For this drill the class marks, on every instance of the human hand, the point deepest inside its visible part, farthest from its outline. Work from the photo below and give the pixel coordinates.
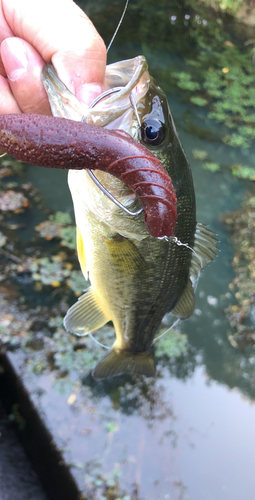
(32, 34)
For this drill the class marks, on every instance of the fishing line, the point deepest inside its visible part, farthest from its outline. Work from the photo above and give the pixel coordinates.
(168, 330)
(133, 104)
(174, 239)
(178, 242)
(99, 343)
(91, 174)
(117, 29)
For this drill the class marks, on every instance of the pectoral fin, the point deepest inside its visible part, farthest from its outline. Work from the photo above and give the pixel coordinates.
(186, 304)
(124, 254)
(85, 315)
(119, 362)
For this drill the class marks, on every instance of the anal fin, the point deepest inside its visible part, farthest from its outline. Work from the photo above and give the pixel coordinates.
(186, 304)
(119, 362)
(85, 315)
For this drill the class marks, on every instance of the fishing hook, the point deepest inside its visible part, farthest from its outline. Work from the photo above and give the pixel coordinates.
(133, 104)
(92, 176)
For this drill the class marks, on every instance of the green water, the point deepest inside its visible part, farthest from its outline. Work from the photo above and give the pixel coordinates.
(189, 434)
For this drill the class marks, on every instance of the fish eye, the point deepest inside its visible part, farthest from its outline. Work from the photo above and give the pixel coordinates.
(152, 132)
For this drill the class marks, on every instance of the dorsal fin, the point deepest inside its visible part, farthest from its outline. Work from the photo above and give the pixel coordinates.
(204, 248)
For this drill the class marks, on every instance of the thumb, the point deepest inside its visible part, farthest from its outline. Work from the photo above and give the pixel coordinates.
(62, 33)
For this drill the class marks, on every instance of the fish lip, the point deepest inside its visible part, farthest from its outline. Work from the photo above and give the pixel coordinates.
(114, 111)
(132, 75)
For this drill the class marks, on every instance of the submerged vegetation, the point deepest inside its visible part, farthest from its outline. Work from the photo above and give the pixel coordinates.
(242, 314)
(221, 78)
(59, 225)
(207, 76)
(209, 62)
(39, 279)
(50, 269)
(241, 9)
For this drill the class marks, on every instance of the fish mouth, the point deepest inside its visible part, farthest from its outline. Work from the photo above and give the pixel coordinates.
(113, 111)
(137, 97)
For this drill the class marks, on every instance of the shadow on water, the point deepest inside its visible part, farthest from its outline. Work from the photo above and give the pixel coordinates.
(186, 434)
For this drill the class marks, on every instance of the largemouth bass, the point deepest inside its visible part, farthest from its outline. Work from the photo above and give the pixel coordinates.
(136, 278)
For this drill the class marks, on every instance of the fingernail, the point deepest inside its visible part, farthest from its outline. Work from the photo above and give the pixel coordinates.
(14, 58)
(87, 92)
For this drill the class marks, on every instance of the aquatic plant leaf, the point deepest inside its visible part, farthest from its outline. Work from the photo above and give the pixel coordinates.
(50, 271)
(199, 101)
(199, 154)
(59, 225)
(68, 237)
(242, 314)
(12, 201)
(62, 218)
(247, 131)
(49, 230)
(215, 71)
(237, 140)
(244, 172)
(213, 167)
(9, 166)
(172, 344)
(249, 118)
(77, 282)
(185, 82)
(219, 116)
(230, 6)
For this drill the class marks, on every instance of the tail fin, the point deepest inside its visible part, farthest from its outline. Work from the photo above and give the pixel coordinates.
(118, 362)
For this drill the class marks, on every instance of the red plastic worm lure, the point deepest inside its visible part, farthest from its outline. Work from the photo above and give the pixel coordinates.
(47, 141)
